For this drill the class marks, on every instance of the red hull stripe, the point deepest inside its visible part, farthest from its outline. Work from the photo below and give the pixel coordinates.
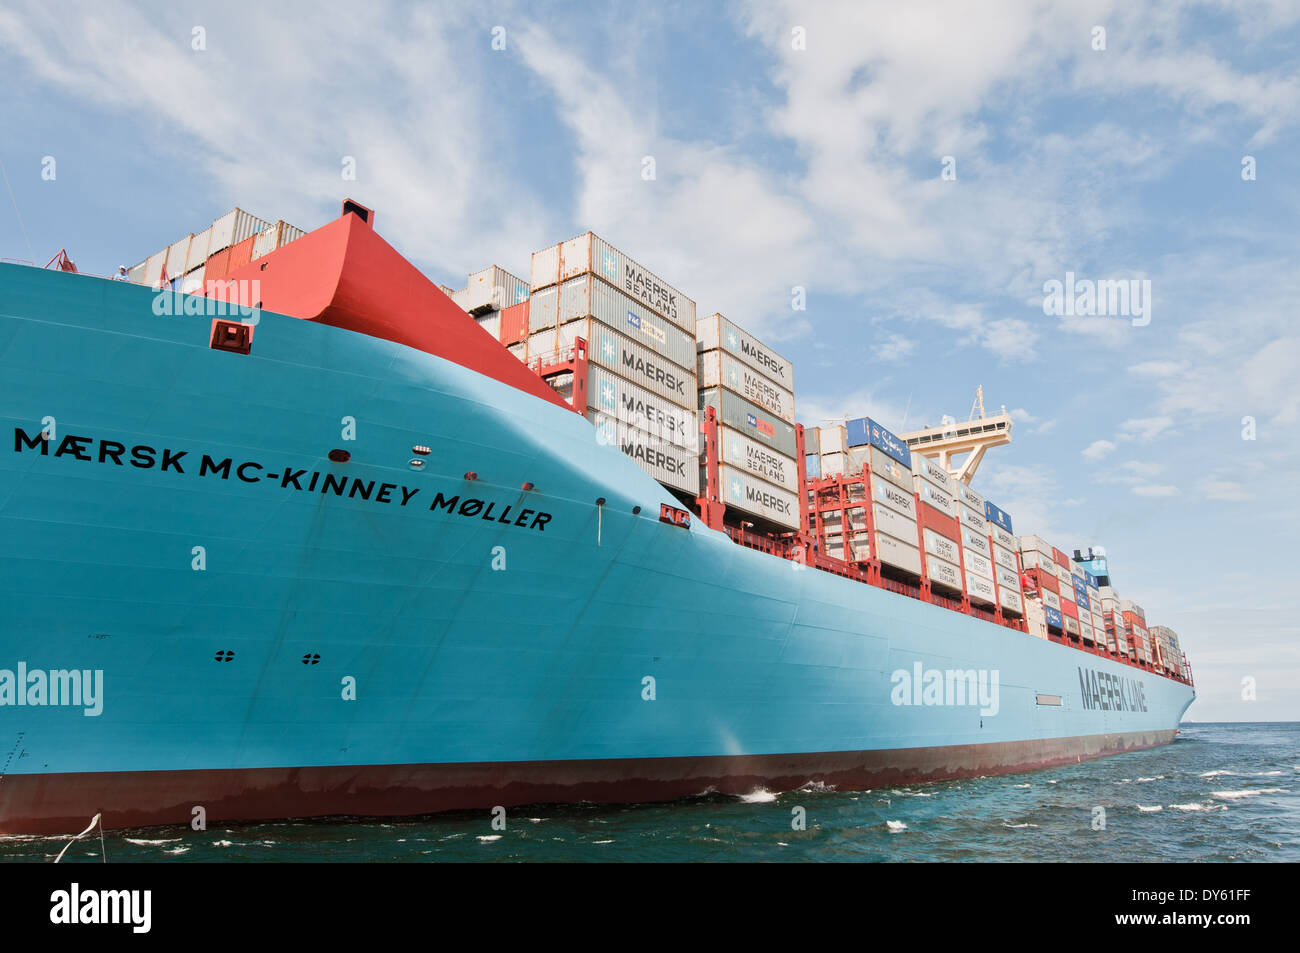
(62, 803)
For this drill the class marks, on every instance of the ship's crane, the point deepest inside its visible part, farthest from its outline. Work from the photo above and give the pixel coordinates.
(952, 439)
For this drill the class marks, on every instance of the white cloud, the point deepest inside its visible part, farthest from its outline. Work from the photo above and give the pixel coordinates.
(1144, 428)
(1227, 490)
(1098, 449)
(1155, 490)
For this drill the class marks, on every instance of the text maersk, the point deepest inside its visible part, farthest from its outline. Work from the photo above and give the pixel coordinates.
(1106, 692)
(762, 498)
(762, 358)
(654, 458)
(647, 289)
(653, 372)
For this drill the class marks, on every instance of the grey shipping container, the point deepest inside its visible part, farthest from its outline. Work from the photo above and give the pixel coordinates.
(669, 464)
(624, 357)
(748, 494)
(717, 333)
(757, 459)
(750, 419)
(639, 408)
(720, 369)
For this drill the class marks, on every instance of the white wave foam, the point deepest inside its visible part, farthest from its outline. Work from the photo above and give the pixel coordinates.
(223, 843)
(149, 843)
(175, 851)
(1017, 826)
(1149, 810)
(1050, 781)
(1022, 785)
(1158, 777)
(1193, 807)
(1215, 774)
(602, 842)
(758, 796)
(1229, 795)
(1266, 774)
(896, 827)
(488, 838)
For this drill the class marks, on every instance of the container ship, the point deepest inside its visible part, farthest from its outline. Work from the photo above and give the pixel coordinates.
(288, 530)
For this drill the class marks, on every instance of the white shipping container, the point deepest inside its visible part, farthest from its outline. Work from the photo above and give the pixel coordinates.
(977, 564)
(198, 250)
(1065, 579)
(980, 589)
(745, 493)
(941, 546)
(885, 466)
(589, 254)
(758, 460)
(720, 369)
(942, 573)
(1002, 537)
(895, 498)
(1035, 544)
(972, 499)
(669, 464)
(894, 552)
(1005, 558)
(1006, 579)
(834, 439)
(933, 473)
(1071, 625)
(895, 524)
(153, 266)
(1035, 618)
(716, 332)
(812, 444)
(974, 520)
(234, 227)
(1086, 629)
(491, 323)
(1051, 599)
(1010, 600)
(834, 464)
(624, 357)
(973, 541)
(1067, 594)
(193, 282)
(640, 409)
(493, 289)
(936, 498)
(176, 256)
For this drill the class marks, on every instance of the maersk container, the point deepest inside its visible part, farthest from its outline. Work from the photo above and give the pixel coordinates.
(834, 439)
(717, 333)
(590, 254)
(757, 459)
(980, 589)
(1011, 601)
(977, 564)
(894, 523)
(978, 542)
(1005, 558)
(669, 464)
(1051, 599)
(934, 473)
(642, 410)
(899, 500)
(198, 250)
(1006, 578)
(491, 323)
(936, 544)
(1003, 538)
(834, 464)
(1054, 618)
(274, 237)
(1035, 618)
(624, 357)
(974, 520)
(1066, 579)
(493, 289)
(996, 516)
(1085, 628)
(936, 498)
(943, 573)
(971, 498)
(812, 466)
(864, 430)
(720, 369)
(753, 421)
(1071, 625)
(748, 494)
(896, 553)
(1035, 544)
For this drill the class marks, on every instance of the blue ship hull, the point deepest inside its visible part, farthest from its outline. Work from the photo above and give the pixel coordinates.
(280, 635)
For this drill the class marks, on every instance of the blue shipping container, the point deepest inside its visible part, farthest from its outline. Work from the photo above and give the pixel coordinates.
(1053, 617)
(998, 516)
(813, 465)
(863, 431)
(1081, 594)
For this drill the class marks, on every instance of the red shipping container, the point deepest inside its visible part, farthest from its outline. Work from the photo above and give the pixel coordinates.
(1070, 609)
(1044, 580)
(940, 522)
(217, 265)
(1061, 559)
(241, 254)
(514, 323)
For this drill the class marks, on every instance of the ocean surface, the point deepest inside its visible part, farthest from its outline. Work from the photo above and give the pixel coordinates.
(1221, 792)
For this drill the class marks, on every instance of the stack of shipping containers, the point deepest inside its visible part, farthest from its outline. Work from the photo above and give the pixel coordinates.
(749, 386)
(487, 294)
(1116, 639)
(1006, 564)
(1168, 653)
(1040, 568)
(1065, 581)
(936, 494)
(833, 443)
(1094, 611)
(894, 538)
(976, 550)
(1133, 619)
(640, 333)
(1079, 583)
(229, 243)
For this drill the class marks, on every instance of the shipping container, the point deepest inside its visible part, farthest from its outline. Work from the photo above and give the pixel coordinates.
(980, 589)
(936, 499)
(1006, 559)
(177, 253)
(896, 553)
(590, 254)
(1085, 628)
(977, 564)
(153, 266)
(217, 265)
(1068, 609)
(717, 333)
(894, 523)
(1002, 537)
(1035, 618)
(976, 542)
(234, 227)
(642, 410)
(1011, 601)
(971, 498)
(492, 289)
(941, 523)
(747, 494)
(753, 421)
(720, 369)
(864, 430)
(901, 501)
(997, 517)
(757, 459)
(1051, 599)
(884, 466)
(1054, 618)
(241, 253)
(1006, 578)
(490, 322)
(1036, 544)
(812, 465)
(624, 357)
(198, 250)
(193, 282)
(834, 439)
(514, 323)
(812, 444)
(672, 465)
(934, 473)
(1061, 559)
(1071, 624)
(834, 464)
(940, 546)
(943, 573)
(974, 519)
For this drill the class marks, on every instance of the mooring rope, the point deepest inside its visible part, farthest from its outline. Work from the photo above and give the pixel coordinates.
(103, 855)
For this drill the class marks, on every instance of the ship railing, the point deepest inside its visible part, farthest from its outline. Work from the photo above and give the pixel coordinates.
(764, 544)
(902, 588)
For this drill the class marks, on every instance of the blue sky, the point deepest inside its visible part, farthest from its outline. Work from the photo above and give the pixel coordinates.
(779, 167)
